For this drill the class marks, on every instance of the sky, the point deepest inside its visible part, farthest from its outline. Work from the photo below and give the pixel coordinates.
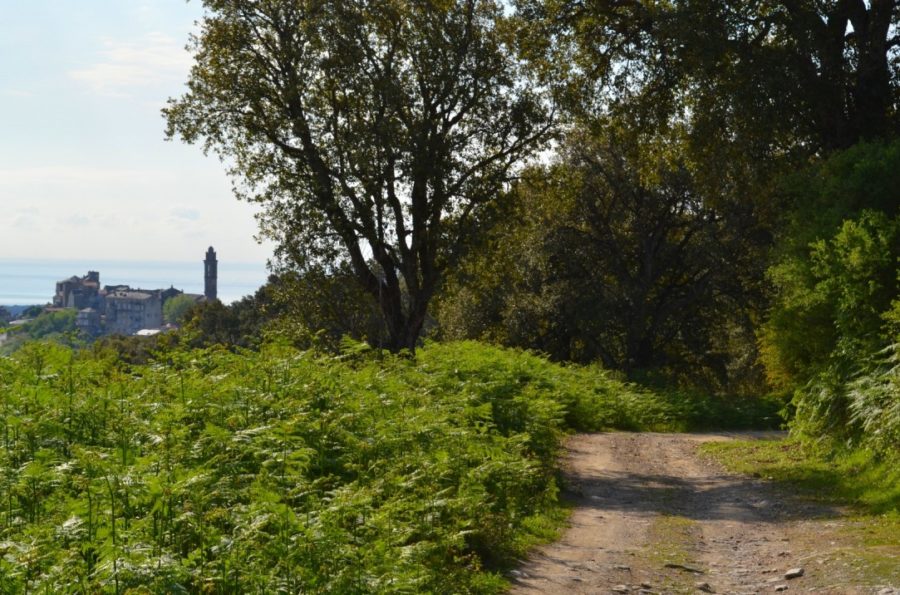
(85, 170)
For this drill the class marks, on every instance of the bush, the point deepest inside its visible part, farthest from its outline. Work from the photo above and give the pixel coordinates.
(836, 280)
(284, 471)
(177, 308)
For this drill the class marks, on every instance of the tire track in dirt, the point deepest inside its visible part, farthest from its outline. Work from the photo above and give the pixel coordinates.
(651, 516)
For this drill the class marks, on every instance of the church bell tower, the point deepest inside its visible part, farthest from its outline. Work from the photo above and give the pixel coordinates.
(210, 275)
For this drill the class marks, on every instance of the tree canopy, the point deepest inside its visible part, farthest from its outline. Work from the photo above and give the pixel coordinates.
(176, 308)
(371, 133)
(387, 144)
(734, 67)
(615, 253)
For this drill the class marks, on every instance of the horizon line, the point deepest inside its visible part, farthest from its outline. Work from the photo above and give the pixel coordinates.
(82, 260)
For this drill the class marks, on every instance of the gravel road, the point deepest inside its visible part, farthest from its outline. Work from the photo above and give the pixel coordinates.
(651, 516)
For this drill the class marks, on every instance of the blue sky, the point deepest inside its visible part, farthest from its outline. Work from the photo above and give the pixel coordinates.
(85, 171)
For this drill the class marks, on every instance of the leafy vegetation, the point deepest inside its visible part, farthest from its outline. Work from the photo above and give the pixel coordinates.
(832, 333)
(57, 326)
(177, 308)
(843, 477)
(285, 471)
(720, 195)
(762, 77)
(310, 310)
(364, 127)
(616, 254)
(717, 198)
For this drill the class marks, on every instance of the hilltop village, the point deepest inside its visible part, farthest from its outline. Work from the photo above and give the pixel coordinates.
(121, 309)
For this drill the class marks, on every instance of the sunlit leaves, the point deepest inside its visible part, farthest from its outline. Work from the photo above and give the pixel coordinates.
(371, 133)
(206, 471)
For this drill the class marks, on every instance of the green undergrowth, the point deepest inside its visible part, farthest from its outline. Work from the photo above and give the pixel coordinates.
(667, 410)
(279, 471)
(864, 487)
(867, 483)
(593, 400)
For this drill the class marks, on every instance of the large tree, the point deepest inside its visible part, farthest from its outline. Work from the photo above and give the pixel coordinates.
(615, 253)
(371, 132)
(773, 75)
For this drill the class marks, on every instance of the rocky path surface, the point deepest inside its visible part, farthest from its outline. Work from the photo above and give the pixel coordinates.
(651, 516)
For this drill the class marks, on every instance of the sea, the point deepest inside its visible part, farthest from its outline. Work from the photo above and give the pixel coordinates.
(28, 282)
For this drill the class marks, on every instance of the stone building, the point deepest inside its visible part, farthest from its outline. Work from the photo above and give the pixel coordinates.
(120, 309)
(167, 294)
(127, 312)
(88, 322)
(210, 275)
(78, 292)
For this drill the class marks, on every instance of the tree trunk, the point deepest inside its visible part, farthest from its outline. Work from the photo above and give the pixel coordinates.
(404, 325)
(871, 94)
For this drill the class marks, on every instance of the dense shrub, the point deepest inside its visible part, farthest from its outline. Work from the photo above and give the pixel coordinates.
(618, 253)
(58, 326)
(874, 402)
(836, 292)
(284, 471)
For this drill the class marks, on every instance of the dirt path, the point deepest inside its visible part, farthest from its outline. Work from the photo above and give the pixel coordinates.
(652, 517)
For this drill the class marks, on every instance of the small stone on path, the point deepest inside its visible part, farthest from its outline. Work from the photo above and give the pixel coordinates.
(683, 567)
(781, 587)
(621, 589)
(704, 587)
(793, 573)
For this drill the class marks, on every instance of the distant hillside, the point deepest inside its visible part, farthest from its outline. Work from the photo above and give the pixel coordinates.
(17, 310)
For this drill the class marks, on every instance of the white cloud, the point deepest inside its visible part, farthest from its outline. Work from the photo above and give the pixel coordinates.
(70, 174)
(128, 213)
(154, 59)
(25, 219)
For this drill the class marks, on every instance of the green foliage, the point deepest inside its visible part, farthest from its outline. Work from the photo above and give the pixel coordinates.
(618, 254)
(177, 308)
(832, 301)
(32, 312)
(318, 309)
(134, 349)
(821, 197)
(282, 471)
(56, 326)
(873, 401)
(374, 127)
(214, 323)
(765, 77)
(830, 334)
(313, 309)
(51, 323)
(843, 477)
